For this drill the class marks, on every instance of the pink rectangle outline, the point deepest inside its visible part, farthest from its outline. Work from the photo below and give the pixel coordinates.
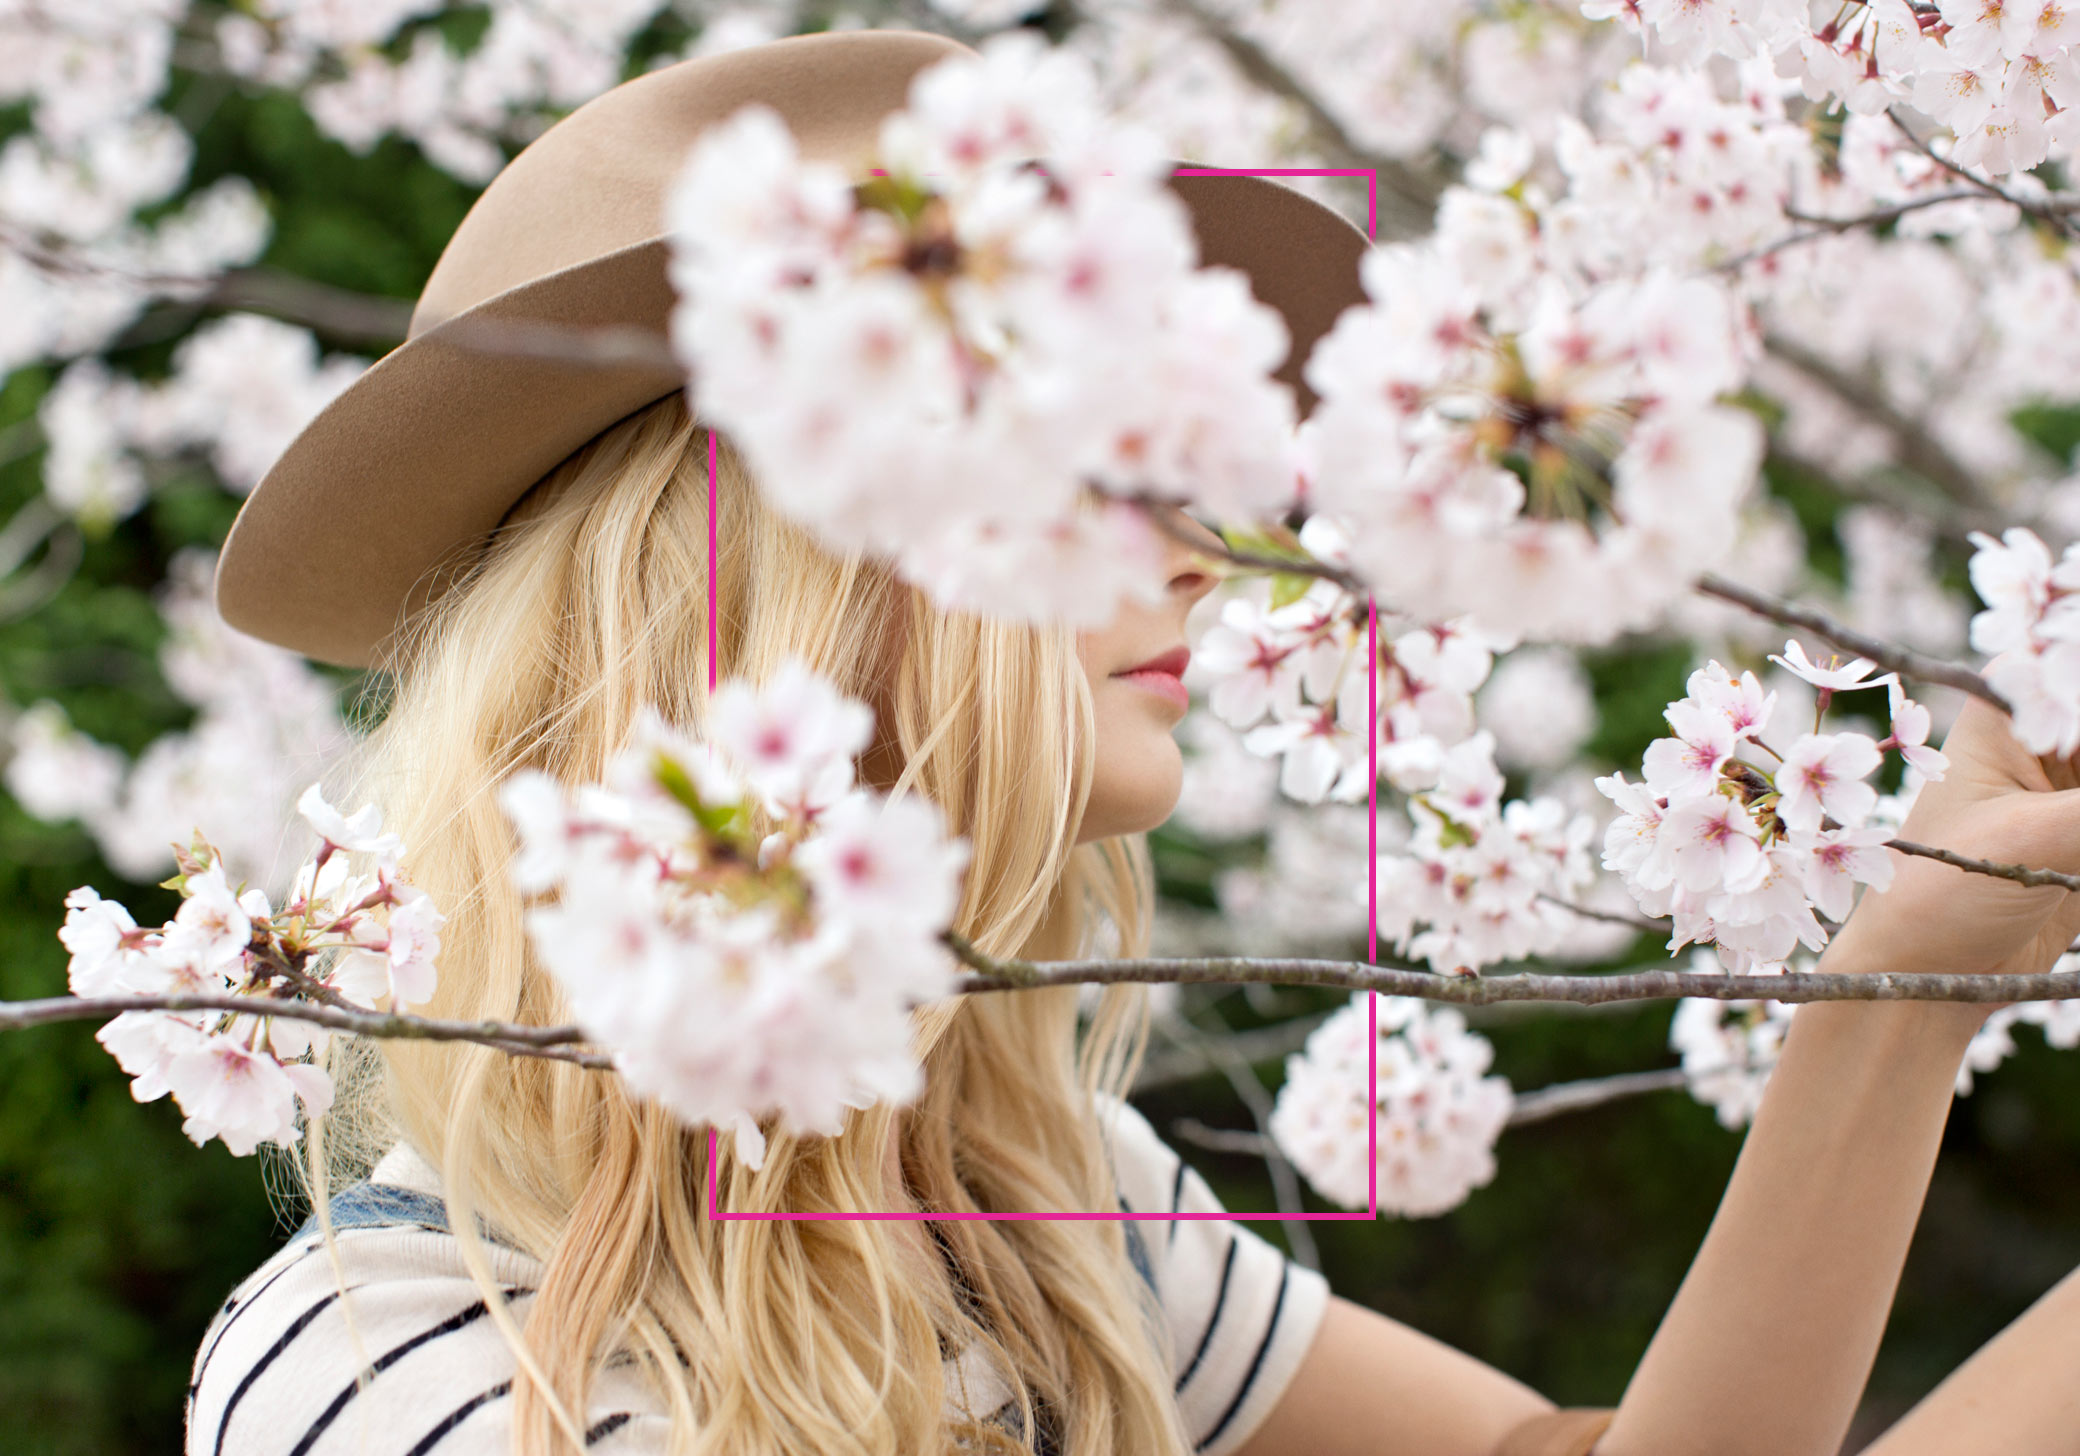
(1371, 1209)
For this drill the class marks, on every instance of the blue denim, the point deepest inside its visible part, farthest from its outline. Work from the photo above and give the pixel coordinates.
(376, 1205)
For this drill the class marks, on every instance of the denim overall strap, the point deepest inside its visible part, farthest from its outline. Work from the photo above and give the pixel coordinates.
(378, 1205)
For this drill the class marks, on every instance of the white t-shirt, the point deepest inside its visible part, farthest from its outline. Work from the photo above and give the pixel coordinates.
(276, 1371)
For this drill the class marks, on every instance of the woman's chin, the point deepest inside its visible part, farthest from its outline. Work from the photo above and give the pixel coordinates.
(1133, 799)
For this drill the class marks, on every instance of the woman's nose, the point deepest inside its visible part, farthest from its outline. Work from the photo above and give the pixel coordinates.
(1190, 578)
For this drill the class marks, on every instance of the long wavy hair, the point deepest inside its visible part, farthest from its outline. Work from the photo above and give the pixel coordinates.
(797, 1337)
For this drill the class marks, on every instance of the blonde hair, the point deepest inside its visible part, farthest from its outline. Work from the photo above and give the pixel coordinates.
(764, 1336)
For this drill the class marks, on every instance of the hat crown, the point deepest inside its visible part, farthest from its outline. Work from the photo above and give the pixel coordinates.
(596, 181)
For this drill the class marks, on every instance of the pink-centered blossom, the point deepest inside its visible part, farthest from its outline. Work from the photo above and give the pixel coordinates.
(1824, 775)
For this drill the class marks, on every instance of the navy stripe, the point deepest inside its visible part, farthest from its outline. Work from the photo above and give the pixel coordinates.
(1277, 1308)
(296, 1328)
(608, 1427)
(1176, 1200)
(448, 1326)
(1219, 1300)
(233, 1314)
(457, 1416)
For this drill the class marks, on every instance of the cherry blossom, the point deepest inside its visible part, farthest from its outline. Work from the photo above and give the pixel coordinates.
(1728, 1047)
(1437, 1115)
(1741, 854)
(2031, 625)
(242, 1077)
(265, 719)
(1481, 877)
(705, 952)
(1057, 329)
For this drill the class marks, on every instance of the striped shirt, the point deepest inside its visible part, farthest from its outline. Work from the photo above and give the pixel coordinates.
(409, 1364)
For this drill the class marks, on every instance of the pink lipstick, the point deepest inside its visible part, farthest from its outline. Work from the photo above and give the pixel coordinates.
(1163, 675)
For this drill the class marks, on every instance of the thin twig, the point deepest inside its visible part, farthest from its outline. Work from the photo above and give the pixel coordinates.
(2052, 218)
(1828, 227)
(17, 1014)
(1157, 511)
(1409, 194)
(1790, 987)
(1260, 1044)
(1615, 917)
(1537, 1105)
(1895, 488)
(1221, 1139)
(1564, 1097)
(2020, 874)
(1919, 451)
(1903, 660)
(1285, 1182)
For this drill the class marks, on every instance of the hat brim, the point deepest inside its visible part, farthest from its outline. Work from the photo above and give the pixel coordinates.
(387, 496)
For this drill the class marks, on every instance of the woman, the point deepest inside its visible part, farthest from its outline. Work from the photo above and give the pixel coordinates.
(530, 1269)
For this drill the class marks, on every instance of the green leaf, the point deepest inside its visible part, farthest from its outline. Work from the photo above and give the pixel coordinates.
(672, 777)
(1288, 587)
(1274, 541)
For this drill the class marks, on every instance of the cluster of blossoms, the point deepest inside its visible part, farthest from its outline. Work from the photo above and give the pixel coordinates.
(878, 344)
(72, 257)
(459, 105)
(265, 723)
(722, 907)
(2031, 629)
(1291, 649)
(342, 936)
(1438, 1114)
(240, 389)
(1487, 881)
(1743, 854)
(1500, 443)
(1729, 1048)
(2002, 77)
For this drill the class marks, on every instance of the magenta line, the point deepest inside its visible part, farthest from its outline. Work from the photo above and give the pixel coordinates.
(711, 558)
(1372, 903)
(1371, 1210)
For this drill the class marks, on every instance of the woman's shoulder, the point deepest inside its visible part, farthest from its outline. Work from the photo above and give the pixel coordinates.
(381, 1343)
(1241, 1314)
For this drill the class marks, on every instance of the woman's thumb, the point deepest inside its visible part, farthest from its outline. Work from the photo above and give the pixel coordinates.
(2039, 830)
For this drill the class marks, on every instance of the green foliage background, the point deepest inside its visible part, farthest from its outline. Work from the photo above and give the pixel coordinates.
(118, 1238)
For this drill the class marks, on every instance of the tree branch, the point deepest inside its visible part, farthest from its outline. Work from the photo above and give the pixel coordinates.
(1285, 1183)
(1792, 987)
(1408, 201)
(1919, 450)
(1828, 227)
(341, 314)
(1565, 1097)
(2054, 219)
(508, 1036)
(1261, 1044)
(2020, 874)
(1903, 660)
(1538, 1105)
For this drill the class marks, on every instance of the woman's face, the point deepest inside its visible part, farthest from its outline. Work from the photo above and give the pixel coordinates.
(1134, 664)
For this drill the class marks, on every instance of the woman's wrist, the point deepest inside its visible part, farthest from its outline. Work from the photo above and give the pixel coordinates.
(1850, 953)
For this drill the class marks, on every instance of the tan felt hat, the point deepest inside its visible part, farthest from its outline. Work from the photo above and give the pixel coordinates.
(391, 491)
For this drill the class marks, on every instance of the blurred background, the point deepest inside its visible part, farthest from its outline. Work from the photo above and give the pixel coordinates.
(213, 215)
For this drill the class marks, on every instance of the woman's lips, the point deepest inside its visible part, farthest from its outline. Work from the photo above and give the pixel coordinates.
(1163, 675)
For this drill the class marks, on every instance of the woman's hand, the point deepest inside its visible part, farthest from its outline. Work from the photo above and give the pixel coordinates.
(1997, 802)
(1768, 1344)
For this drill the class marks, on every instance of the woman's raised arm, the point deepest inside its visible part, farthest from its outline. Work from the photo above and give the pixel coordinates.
(1770, 1339)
